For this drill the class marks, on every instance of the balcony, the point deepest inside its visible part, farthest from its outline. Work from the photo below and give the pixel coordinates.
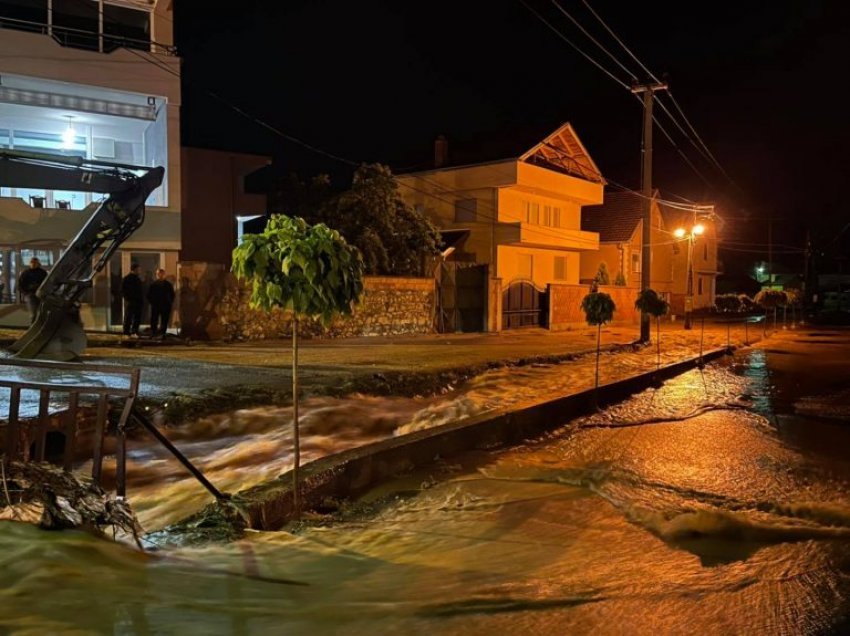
(102, 41)
(549, 237)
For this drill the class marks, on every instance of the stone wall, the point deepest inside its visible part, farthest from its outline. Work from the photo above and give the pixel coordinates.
(565, 305)
(214, 306)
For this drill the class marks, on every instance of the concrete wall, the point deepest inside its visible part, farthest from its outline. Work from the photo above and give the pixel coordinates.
(565, 305)
(543, 265)
(213, 196)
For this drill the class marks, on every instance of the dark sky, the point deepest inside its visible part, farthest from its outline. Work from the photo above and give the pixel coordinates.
(764, 83)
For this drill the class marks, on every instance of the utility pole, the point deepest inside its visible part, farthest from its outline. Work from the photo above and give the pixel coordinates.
(648, 89)
(770, 253)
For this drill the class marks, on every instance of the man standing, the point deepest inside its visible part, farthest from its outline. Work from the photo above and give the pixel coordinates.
(161, 297)
(133, 295)
(29, 282)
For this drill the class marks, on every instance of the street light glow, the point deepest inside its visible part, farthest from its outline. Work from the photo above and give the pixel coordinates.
(699, 228)
(679, 232)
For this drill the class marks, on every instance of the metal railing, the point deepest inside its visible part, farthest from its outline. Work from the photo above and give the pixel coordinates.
(87, 40)
(38, 427)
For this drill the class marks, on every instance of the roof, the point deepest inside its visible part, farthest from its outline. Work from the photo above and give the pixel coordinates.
(616, 219)
(560, 150)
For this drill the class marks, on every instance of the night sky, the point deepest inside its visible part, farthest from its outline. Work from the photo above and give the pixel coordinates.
(763, 83)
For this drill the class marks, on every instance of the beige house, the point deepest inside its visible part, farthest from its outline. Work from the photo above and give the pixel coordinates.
(512, 226)
(103, 85)
(619, 223)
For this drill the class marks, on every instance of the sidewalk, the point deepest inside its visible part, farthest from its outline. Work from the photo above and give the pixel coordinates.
(203, 378)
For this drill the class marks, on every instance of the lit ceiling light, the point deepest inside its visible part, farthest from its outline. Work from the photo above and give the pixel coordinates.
(69, 136)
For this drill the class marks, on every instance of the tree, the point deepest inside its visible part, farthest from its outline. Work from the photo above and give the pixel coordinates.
(649, 302)
(770, 299)
(598, 308)
(620, 279)
(392, 237)
(310, 271)
(794, 299)
(602, 276)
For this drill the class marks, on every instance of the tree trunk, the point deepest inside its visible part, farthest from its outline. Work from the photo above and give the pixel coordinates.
(296, 440)
(746, 333)
(701, 337)
(657, 342)
(728, 335)
(598, 344)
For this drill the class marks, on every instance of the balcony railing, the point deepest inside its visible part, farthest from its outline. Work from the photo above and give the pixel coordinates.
(87, 40)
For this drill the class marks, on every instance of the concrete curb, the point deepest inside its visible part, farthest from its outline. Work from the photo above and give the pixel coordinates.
(268, 506)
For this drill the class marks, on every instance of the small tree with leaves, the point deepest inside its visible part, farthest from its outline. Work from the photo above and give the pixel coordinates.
(620, 279)
(649, 302)
(770, 299)
(309, 271)
(794, 300)
(602, 275)
(598, 308)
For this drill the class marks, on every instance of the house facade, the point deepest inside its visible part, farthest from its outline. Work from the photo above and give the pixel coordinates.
(619, 222)
(511, 226)
(99, 80)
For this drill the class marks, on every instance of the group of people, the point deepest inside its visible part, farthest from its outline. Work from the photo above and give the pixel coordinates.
(160, 296)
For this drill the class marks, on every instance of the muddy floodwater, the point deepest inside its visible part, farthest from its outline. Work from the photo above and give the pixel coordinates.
(716, 504)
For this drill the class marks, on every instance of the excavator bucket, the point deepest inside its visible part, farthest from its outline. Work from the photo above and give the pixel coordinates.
(56, 334)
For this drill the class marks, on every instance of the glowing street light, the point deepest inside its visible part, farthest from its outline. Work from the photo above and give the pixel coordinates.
(691, 237)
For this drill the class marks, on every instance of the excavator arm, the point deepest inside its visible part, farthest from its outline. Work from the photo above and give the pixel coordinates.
(57, 332)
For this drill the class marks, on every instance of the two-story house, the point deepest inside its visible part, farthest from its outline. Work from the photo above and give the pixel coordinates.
(619, 223)
(97, 79)
(516, 221)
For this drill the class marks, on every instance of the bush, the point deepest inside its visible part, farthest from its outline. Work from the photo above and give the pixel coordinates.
(602, 276)
(620, 280)
(747, 303)
(728, 303)
(648, 301)
(598, 308)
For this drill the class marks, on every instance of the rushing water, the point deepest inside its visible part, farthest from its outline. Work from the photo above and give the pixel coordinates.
(717, 504)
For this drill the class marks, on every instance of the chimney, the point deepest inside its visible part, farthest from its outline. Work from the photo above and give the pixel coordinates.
(441, 151)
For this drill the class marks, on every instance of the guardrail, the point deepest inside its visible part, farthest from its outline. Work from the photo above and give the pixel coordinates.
(18, 428)
(29, 428)
(87, 40)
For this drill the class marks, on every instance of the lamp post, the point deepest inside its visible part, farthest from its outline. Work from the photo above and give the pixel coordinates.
(691, 237)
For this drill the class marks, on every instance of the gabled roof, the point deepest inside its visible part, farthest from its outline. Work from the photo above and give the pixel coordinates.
(561, 151)
(564, 152)
(616, 219)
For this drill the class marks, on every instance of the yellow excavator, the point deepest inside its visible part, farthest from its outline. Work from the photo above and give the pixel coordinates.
(57, 332)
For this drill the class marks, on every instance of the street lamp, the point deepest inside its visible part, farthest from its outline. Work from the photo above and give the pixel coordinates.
(691, 237)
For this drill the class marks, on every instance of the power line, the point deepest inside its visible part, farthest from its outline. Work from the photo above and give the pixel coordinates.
(594, 40)
(619, 41)
(575, 46)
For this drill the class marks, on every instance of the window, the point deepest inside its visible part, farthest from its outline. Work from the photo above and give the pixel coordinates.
(466, 210)
(699, 286)
(525, 266)
(560, 268)
(547, 215)
(556, 217)
(635, 263)
(705, 251)
(531, 212)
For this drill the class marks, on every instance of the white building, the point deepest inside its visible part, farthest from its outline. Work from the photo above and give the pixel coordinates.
(97, 79)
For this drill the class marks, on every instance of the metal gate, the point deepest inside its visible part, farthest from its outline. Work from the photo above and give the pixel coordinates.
(524, 305)
(462, 298)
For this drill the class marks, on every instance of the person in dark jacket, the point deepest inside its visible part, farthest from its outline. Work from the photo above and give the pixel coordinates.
(29, 282)
(161, 298)
(133, 294)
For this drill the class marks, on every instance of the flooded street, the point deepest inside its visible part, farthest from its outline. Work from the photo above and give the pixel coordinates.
(717, 504)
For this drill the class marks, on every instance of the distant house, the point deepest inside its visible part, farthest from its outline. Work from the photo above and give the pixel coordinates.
(511, 222)
(619, 223)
